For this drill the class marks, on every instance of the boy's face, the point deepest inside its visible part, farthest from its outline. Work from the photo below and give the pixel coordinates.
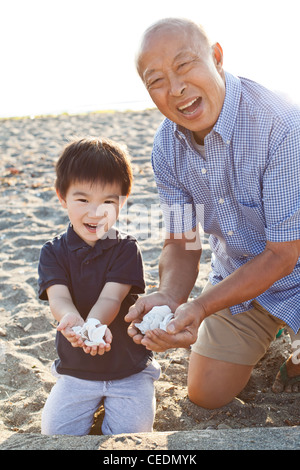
(92, 208)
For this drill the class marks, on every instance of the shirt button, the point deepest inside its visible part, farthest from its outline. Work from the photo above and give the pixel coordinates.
(203, 171)
(228, 142)
(230, 233)
(221, 200)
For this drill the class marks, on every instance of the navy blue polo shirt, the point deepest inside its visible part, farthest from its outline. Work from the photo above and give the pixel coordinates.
(68, 260)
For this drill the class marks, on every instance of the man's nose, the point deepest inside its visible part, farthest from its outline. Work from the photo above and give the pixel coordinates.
(177, 85)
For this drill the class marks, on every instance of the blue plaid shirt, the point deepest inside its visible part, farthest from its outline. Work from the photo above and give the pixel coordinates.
(247, 183)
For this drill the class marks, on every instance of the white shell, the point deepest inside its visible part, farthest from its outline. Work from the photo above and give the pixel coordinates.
(92, 322)
(77, 329)
(96, 334)
(166, 320)
(91, 333)
(158, 317)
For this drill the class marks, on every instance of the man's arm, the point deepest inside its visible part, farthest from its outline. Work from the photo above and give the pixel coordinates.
(179, 266)
(255, 277)
(178, 271)
(249, 281)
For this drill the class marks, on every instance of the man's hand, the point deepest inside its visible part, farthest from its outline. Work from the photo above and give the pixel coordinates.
(142, 306)
(181, 332)
(178, 267)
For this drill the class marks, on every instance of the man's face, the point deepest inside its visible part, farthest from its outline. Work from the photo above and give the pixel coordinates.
(184, 78)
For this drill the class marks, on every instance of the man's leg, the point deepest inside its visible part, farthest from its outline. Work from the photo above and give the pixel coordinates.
(213, 383)
(227, 348)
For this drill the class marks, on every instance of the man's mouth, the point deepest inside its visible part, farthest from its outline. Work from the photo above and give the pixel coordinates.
(190, 107)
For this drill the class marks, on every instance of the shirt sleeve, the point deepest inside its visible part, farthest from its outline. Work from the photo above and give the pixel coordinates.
(126, 266)
(281, 191)
(176, 202)
(50, 271)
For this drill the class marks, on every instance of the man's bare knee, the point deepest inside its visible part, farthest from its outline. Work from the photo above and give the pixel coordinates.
(206, 400)
(212, 383)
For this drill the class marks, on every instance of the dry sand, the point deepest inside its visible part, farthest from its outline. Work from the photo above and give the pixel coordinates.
(30, 215)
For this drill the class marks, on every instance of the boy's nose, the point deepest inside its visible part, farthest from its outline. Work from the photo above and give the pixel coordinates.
(92, 212)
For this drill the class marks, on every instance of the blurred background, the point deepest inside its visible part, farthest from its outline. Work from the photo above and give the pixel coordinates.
(78, 55)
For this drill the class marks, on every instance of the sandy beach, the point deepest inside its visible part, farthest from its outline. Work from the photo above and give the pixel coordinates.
(30, 215)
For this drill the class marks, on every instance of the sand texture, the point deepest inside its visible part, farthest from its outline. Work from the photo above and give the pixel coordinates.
(30, 215)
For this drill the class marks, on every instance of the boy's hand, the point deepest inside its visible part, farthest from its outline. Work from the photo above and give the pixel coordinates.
(101, 348)
(65, 326)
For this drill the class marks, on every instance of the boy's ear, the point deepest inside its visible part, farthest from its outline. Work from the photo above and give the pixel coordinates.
(61, 199)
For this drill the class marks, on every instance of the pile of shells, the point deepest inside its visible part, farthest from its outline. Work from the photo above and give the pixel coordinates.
(158, 317)
(92, 332)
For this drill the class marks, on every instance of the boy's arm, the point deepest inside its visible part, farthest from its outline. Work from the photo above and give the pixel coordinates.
(65, 312)
(105, 310)
(109, 302)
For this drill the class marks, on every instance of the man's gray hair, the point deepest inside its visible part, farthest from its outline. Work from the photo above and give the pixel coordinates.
(171, 24)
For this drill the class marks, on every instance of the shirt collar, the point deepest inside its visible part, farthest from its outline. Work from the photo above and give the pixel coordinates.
(75, 243)
(226, 121)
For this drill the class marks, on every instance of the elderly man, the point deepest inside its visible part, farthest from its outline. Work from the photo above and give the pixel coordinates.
(232, 147)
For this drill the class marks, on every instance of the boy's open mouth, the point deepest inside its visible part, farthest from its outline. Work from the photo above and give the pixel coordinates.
(190, 107)
(91, 227)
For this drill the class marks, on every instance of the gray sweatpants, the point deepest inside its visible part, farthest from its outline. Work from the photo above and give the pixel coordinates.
(129, 404)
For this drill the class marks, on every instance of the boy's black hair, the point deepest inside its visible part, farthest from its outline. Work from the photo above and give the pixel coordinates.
(93, 160)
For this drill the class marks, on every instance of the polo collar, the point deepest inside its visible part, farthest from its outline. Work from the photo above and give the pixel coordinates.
(74, 242)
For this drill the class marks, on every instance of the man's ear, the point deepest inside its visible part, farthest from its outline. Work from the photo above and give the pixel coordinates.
(61, 199)
(218, 54)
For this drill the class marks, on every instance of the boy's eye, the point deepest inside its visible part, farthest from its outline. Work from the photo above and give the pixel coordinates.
(82, 200)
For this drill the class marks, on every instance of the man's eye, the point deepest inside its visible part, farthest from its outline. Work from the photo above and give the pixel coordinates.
(154, 82)
(183, 64)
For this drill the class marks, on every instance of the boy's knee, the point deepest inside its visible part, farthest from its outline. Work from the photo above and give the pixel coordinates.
(49, 428)
(141, 424)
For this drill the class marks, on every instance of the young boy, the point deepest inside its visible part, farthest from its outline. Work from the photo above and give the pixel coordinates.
(94, 271)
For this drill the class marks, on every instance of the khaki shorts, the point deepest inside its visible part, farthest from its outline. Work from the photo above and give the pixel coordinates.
(242, 338)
